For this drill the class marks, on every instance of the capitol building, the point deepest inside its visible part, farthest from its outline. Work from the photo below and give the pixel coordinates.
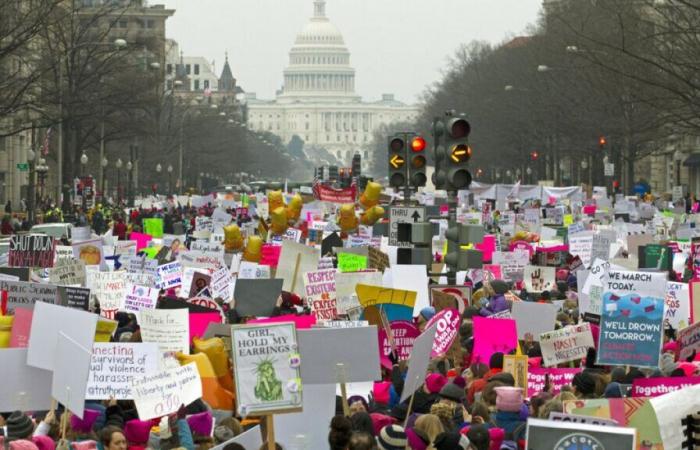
(318, 102)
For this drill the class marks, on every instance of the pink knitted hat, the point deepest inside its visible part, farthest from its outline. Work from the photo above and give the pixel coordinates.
(137, 431)
(509, 398)
(85, 424)
(434, 382)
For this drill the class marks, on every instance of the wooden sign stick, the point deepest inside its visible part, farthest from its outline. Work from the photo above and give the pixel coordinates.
(343, 389)
(296, 272)
(270, 431)
(408, 412)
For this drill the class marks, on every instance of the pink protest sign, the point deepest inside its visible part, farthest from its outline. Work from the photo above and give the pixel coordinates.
(589, 210)
(494, 270)
(487, 247)
(141, 239)
(447, 321)
(301, 322)
(493, 336)
(654, 387)
(405, 333)
(537, 377)
(200, 321)
(21, 325)
(270, 255)
(521, 245)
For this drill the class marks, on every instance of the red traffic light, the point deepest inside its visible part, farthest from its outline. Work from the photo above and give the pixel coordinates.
(534, 156)
(418, 144)
(602, 141)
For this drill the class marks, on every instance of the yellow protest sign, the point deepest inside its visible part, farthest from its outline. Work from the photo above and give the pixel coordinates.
(375, 295)
(516, 365)
(568, 219)
(105, 329)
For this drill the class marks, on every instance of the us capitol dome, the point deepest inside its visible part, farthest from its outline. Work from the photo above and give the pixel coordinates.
(318, 102)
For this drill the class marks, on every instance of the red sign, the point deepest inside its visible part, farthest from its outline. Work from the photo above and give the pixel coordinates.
(448, 321)
(330, 194)
(654, 387)
(405, 333)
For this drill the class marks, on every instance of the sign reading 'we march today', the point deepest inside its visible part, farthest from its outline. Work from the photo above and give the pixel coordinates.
(631, 329)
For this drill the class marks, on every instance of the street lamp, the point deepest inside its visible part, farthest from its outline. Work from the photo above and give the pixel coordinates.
(118, 164)
(83, 162)
(159, 168)
(170, 178)
(543, 68)
(677, 158)
(584, 164)
(103, 166)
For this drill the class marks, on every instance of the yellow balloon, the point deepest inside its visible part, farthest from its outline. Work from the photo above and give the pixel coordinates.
(372, 215)
(347, 221)
(278, 220)
(294, 207)
(370, 197)
(275, 199)
(233, 239)
(253, 250)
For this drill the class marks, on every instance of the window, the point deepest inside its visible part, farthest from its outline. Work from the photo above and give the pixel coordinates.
(196, 69)
(188, 69)
(337, 137)
(307, 125)
(150, 23)
(169, 69)
(328, 138)
(124, 23)
(306, 138)
(206, 84)
(196, 85)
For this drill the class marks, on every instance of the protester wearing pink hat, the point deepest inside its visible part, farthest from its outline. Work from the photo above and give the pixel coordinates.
(137, 433)
(44, 443)
(509, 401)
(434, 382)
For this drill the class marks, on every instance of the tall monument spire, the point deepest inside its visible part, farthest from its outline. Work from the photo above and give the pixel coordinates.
(319, 8)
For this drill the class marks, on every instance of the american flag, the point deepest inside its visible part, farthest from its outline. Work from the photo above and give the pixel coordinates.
(316, 185)
(45, 145)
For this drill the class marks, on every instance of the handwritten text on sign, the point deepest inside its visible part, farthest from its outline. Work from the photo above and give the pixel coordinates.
(164, 392)
(114, 365)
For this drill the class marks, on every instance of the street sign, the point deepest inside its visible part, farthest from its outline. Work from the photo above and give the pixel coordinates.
(400, 214)
(23, 167)
(609, 169)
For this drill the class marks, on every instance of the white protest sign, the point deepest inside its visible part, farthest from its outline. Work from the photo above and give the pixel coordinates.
(137, 298)
(201, 260)
(169, 328)
(169, 275)
(320, 296)
(222, 284)
(70, 374)
(512, 263)
(107, 288)
(689, 340)
(345, 288)
(411, 278)
(539, 278)
(163, 393)
(296, 259)
(251, 438)
(581, 245)
(602, 243)
(202, 223)
(24, 294)
(68, 272)
(677, 311)
(115, 364)
(533, 319)
(207, 247)
(63, 252)
(566, 344)
(24, 388)
(49, 320)
(418, 362)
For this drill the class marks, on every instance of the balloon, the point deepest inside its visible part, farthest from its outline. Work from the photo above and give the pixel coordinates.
(370, 197)
(275, 199)
(294, 208)
(372, 215)
(233, 239)
(278, 220)
(347, 221)
(253, 250)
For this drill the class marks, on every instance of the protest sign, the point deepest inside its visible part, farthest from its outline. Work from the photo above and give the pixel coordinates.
(516, 365)
(675, 413)
(199, 322)
(539, 279)
(107, 288)
(550, 434)
(252, 271)
(169, 328)
(411, 278)
(114, 365)
(348, 262)
(70, 374)
(201, 260)
(49, 320)
(418, 363)
(689, 340)
(90, 252)
(68, 272)
(222, 284)
(320, 294)
(207, 247)
(566, 344)
(169, 275)
(493, 336)
(22, 273)
(26, 295)
(377, 259)
(295, 260)
(558, 377)
(163, 392)
(404, 335)
(447, 324)
(153, 227)
(533, 319)
(631, 326)
(603, 241)
(137, 298)
(377, 295)
(203, 223)
(33, 250)
(654, 387)
(345, 288)
(572, 418)
(322, 349)
(297, 430)
(581, 245)
(677, 312)
(251, 438)
(24, 388)
(301, 322)
(257, 298)
(200, 281)
(512, 263)
(270, 255)
(21, 328)
(269, 355)
(63, 252)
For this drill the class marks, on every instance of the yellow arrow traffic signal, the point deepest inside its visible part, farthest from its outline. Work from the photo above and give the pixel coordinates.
(396, 161)
(460, 153)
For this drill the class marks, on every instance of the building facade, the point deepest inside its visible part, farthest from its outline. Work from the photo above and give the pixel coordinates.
(318, 102)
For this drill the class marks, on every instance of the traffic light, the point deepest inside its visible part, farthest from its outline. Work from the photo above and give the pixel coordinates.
(333, 173)
(397, 161)
(452, 158)
(418, 164)
(356, 165)
(602, 142)
(534, 155)
(459, 258)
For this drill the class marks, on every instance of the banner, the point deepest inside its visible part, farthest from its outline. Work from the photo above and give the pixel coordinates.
(631, 328)
(447, 323)
(320, 293)
(327, 193)
(25, 295)
(115, 365)
(33, 250)
(653, 387)
(269, 355)
(164, 392)
(537, 378)
(404, 335)
(566, 344)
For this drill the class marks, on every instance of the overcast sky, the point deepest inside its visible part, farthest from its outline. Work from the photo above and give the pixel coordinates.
(396, 46)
